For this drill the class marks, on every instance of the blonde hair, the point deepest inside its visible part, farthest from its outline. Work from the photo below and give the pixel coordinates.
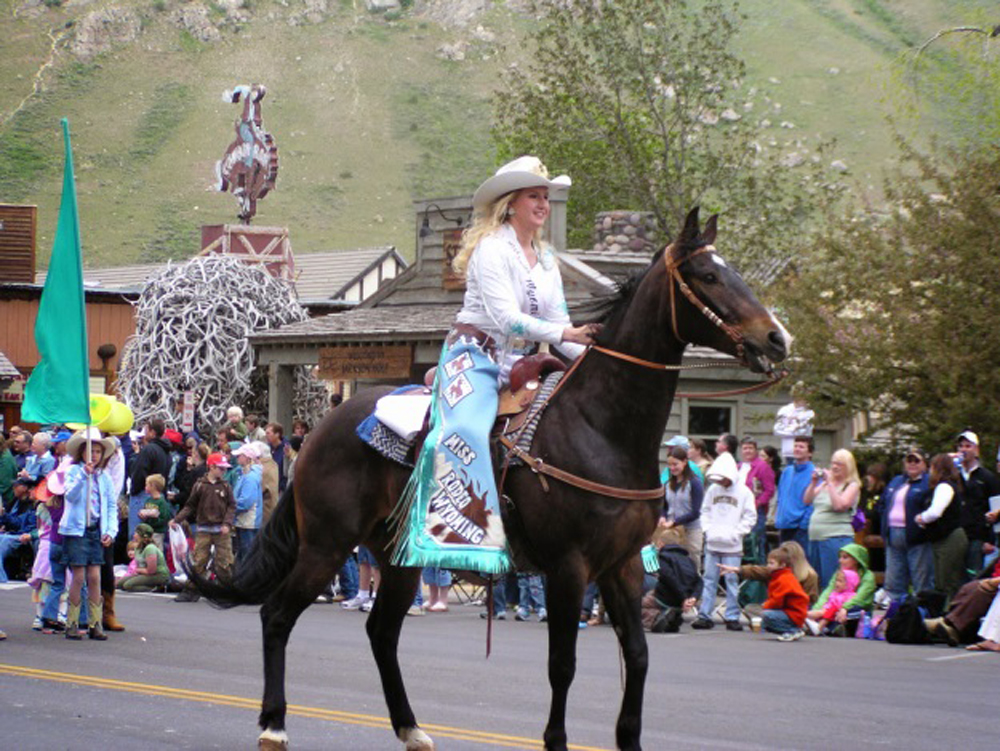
(157, 482)
(485, 223)
(797, 561)
(845, 456)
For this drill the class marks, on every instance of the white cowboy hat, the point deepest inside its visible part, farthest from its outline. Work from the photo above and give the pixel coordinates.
(523, 172)
(90, 434)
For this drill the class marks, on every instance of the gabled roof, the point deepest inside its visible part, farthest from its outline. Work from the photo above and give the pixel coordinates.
(319, 276)
(329, 273)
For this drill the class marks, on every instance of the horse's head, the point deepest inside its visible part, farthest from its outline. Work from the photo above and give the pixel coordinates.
(711, 305)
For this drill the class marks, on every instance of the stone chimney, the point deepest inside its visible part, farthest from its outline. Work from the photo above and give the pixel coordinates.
(625, 232)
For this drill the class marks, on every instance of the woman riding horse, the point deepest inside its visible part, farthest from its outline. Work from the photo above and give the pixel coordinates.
(513, 299)
(604, 428)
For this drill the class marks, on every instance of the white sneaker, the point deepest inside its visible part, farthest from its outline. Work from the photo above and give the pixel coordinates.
(882, 599)
(790, 635)
(354, 603)
(367, 605)
(36, 624)
(813, 627)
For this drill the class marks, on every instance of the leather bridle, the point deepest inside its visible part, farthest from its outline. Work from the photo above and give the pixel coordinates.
(673, 270)
(541, 469)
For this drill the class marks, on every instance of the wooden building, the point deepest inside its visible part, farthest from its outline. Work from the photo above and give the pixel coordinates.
(110, 320)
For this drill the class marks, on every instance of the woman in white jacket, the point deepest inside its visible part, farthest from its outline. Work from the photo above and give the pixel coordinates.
(513, 301)
(728, 514)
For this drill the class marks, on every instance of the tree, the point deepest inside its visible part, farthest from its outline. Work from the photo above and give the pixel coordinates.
(953, 78)
(644, 103)
(897, 315)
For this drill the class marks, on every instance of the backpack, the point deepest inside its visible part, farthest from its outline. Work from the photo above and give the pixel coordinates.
(907, 625)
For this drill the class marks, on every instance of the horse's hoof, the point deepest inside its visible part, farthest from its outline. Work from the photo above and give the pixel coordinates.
(273, 740)
(416, 739)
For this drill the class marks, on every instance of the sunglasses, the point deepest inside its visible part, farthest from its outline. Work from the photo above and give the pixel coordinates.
(913, 459)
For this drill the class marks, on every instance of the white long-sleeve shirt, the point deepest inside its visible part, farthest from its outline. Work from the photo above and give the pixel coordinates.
(943, 495)
(513, 302)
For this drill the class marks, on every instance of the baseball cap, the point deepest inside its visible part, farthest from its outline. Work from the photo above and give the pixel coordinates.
(969, 436)
(218, 460)
(679, 440)
(916, 451)
(247, 449)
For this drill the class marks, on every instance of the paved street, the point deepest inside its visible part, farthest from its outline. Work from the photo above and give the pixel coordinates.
(188, 676)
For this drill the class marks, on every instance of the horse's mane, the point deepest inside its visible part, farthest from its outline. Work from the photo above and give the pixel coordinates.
(608, 308)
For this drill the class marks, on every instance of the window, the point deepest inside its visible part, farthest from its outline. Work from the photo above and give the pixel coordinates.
(709, 420)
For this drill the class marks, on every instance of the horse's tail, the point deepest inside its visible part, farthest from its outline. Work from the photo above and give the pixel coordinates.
(268, 562)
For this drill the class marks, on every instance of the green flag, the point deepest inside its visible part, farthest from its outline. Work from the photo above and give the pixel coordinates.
(58, 388)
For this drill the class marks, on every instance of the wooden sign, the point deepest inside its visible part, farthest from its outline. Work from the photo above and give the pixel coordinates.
(452, 243)
(352, 363)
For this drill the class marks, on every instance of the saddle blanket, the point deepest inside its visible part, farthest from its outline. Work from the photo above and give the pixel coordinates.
(400, 416)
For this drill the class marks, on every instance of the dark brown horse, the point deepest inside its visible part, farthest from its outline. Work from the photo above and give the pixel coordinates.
(604, 424)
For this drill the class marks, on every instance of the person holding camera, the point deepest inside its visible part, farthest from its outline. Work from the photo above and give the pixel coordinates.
(833, 494)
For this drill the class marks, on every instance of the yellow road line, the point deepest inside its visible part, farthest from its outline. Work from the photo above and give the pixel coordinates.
(239, 702)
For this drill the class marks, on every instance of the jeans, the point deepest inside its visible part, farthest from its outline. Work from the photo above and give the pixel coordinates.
(777, 622)
(499, 596)
(437, 576)
(799, 535)
(824, 556)
(8, 544)
(711, 580)
(532, 593)
(760, 533)
(50, 609)
(244, 539)
(589, 596)
(348, 577)
(907, 565)
(135, 505)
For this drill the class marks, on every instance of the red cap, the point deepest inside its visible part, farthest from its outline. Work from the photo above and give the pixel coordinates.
(218, 460)
(174, 437)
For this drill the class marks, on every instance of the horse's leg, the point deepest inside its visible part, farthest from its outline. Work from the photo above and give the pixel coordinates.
(313, 570)
(622, 593)
(395, 595)
(563, 597)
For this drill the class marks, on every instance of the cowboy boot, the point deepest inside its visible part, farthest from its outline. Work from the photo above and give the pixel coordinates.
(111, 623)
(96, 631)
(73, 622)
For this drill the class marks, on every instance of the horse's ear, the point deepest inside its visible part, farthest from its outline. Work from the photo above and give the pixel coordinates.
(689, 235)
(708, 234)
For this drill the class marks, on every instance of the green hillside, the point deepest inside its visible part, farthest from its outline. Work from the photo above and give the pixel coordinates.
(367, 113)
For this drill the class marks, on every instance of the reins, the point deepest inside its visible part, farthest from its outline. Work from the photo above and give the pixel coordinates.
(541, 469)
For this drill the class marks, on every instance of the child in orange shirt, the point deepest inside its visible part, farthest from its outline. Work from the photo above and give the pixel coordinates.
(787, 603)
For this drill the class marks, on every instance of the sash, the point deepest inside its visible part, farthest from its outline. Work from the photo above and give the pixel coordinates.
(449, 513)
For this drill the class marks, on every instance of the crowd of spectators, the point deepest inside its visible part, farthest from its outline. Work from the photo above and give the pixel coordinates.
(73, 551)
(930, 528)
(851, 541)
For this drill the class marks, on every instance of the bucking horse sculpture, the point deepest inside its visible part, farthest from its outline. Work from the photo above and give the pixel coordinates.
(249, 167)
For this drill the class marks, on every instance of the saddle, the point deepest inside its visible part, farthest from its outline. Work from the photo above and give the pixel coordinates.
(398, 432)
